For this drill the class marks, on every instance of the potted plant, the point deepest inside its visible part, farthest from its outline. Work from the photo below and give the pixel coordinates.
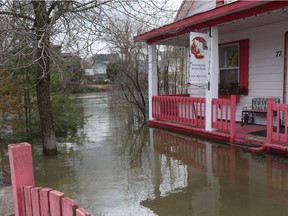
(232, 89)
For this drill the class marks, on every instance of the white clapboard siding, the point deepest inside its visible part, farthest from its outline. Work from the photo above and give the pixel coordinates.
(193, 7)
(265, 69)
(197, 92)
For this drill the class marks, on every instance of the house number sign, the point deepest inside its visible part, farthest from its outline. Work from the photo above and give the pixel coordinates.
(278, 53)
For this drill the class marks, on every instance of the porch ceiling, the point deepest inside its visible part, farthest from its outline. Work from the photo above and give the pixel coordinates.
(255, 21)
(236, 25)
(265, 13)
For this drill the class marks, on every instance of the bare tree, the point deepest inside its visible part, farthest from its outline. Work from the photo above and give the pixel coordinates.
(29, 28)
(130, 68)
(171, 70)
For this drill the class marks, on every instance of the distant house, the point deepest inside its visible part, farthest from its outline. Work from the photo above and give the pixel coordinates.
(67, 59)
(70, 57)
(96, 66)
(68, 66)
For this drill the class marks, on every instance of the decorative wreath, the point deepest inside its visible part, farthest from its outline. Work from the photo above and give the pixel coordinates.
(196, 48)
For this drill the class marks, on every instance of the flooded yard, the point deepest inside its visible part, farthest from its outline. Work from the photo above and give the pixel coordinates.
(121, 168)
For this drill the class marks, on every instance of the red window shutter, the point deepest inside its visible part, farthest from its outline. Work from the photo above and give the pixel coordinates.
(244, 64)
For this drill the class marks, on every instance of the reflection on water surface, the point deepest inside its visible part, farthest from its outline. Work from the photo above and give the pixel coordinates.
(126, 169)
(216, 179)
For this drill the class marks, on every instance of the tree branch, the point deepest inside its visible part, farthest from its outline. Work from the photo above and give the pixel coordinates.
(16, 15)
(53, 5)
(89, 5)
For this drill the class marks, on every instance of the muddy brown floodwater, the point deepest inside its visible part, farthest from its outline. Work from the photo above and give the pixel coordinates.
(123, 169)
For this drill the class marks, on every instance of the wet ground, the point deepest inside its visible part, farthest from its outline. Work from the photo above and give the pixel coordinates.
(6, 203)
(121, 168)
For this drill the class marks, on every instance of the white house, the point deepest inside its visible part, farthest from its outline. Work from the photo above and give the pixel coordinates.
(233, 47)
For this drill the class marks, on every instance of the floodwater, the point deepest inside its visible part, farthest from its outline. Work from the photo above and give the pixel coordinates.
(123, 169)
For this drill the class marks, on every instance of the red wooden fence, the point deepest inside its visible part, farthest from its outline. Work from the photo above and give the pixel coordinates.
(35, 201)
(179, 109)
(224, 114)
(277, 131)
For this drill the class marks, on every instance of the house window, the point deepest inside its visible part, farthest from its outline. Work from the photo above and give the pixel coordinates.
(229, 61)
(233, 71)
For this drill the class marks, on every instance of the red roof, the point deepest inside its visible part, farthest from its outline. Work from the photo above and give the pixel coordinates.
(223, 14)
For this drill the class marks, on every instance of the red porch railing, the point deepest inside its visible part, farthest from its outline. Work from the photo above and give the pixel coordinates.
(181, 109)
(279, 132)
(223, 115)
(35, 201)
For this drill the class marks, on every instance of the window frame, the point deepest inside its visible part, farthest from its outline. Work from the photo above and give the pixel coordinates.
(243, 64)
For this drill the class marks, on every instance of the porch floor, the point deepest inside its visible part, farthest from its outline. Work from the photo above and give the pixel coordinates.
(243, 137)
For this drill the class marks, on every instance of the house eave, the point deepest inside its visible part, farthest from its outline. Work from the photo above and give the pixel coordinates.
(220, 15)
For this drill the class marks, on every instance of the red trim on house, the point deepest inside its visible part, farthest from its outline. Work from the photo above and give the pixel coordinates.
(270, 6)
(244, 64)
(193, 19)
(218, 15)
(285, 76)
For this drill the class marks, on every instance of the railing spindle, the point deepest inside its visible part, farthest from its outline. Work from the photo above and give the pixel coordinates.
(182, 109)
(28, 201)
(55, 198)
(35, 198)
(69, 207)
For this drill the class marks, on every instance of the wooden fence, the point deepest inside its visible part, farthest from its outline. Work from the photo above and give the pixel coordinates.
(179, 109)
(189, 110)
(224, 114)
(36, 201)
(277, 129)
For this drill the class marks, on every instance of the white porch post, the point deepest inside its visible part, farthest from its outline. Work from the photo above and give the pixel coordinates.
(152, 75)
(212, 88)
(187, 64)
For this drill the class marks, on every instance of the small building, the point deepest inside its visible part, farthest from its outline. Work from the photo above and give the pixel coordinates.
(237, 72)
(98, 66)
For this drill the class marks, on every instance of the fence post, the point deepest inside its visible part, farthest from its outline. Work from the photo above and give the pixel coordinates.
(22, 173)
(232, 117)
(270, 102)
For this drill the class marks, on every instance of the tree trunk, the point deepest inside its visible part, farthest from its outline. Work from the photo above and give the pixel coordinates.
(27, 106)
(45, 113)
(43, 79)
(166, 79)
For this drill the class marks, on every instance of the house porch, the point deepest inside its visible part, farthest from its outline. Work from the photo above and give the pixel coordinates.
(237, 31)
(186, 114)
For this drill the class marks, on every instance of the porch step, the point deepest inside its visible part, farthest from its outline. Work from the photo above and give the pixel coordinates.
(246, 144)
